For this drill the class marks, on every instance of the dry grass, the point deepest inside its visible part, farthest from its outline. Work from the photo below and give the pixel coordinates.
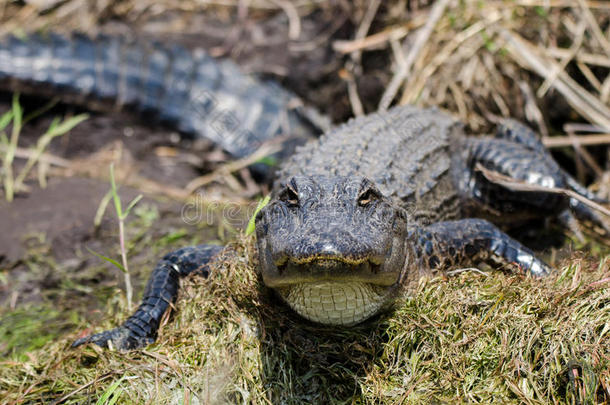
(476, 337)
(547, 62)
(471, 57)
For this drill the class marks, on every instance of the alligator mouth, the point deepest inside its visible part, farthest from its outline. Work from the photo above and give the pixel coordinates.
(320, 269)
(331, 289)
(330, 260)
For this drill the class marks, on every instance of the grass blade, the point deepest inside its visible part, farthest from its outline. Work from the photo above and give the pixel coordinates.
(252, 222)
(6, 119)
(68, 124)
(36, 113)
(17, 115)
(115, 194)
(131, 205)
(109, 260)
(105, 398)
(101, 209)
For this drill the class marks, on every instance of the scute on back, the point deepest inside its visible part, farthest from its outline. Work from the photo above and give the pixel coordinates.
(405, 151)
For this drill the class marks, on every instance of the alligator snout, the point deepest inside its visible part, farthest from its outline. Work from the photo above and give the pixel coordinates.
(330, 230)
(348, 252)
(322, 259)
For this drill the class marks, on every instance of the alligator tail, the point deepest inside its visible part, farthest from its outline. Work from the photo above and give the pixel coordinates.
(190, 90)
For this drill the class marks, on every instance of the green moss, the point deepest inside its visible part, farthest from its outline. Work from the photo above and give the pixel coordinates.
(30, 328)
(476, 337)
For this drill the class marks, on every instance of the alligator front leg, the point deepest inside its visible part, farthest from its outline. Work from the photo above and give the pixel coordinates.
(140, 329)
(453, 244)
(520, 133)
(527, 163)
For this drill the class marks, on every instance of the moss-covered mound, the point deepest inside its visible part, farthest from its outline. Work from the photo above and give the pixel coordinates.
(478, 337)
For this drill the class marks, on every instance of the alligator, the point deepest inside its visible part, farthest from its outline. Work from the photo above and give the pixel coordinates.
(361, 213)
(186, 89)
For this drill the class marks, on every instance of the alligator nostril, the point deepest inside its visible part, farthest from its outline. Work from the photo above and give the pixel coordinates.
(329, 249)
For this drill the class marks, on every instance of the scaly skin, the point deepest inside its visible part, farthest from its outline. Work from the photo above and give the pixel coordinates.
(190, 90)
(405, 152)
(368, 209)
(467, 242)
(376, 204)
(518, 153)
(521, 134)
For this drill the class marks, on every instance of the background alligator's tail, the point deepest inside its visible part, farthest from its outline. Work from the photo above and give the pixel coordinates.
(188, 89)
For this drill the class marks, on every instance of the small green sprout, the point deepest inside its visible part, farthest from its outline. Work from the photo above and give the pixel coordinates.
(8, 145)
(252, 222)
(122, 215)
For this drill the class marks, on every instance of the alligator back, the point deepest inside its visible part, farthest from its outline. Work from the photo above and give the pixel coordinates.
(188, 89)
(406, 151)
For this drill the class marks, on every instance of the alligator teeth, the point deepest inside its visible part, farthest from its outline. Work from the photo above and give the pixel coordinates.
(281, 261)
(331, 259)
(327, 263)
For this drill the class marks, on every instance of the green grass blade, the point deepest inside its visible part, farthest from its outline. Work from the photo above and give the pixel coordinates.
(36, 113)
(6, 119)
(68, 125)
(268, 160)
(7, 164)
(105, 398)
(57, 128)
(115, 194)
(17, 112)
(252, 222)
(131, 205)
(108, 259)
(115, 397)
(53, 125)
(99, 214)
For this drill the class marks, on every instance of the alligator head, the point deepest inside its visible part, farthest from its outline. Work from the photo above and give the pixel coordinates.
(332, 247)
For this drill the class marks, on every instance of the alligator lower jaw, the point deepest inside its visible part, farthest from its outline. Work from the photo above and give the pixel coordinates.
(336, 302)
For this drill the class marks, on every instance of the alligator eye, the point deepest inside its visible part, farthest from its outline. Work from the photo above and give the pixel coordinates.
(367, 197)
(290, 196)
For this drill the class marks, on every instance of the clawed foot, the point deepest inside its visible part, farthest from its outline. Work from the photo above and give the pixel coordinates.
(140, 329)
(120, 338)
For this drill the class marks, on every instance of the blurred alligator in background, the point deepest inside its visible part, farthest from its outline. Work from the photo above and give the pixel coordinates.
(189, 90)
(356, 216)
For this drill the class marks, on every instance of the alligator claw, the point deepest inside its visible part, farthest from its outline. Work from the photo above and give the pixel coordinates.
(120, 338)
